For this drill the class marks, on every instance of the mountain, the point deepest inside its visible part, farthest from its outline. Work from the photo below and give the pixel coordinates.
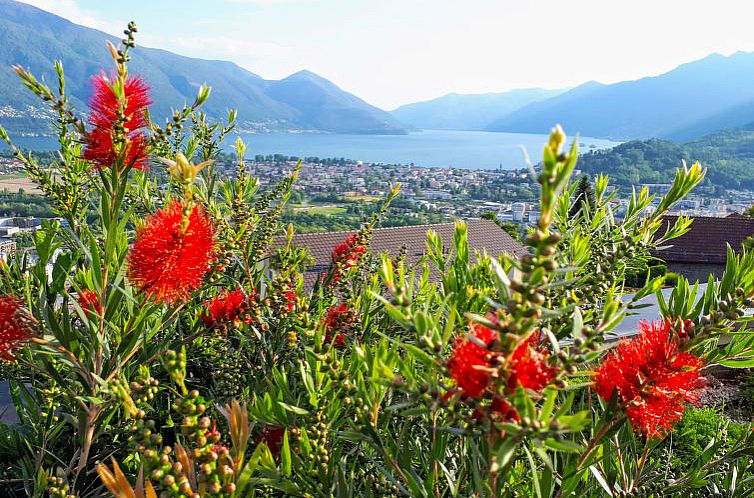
(34, 39)
(456, 111)
(324, 106)
(691, 100)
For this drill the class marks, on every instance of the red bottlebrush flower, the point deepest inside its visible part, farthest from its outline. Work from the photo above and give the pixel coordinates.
(349, 251)
(335, 315)
(346, 256)
(653, 378)
(15, 327)
(104, 109)
(341, 322)
(170, 257)
(224, 307)
(290, 301)
(89, 302)
(505, 408)
(684, 328)
(214, 437)
(282, 297)
(528, 366)
(500, 408)
(470, 363)
(272, 436)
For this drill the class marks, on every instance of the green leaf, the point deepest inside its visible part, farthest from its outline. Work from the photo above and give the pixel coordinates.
(534, 473)
(45, 240)
(285, 456)
(61, 269)
(293, 409)
(600, 479)
(504, 454)
(549, 404)
(564, 445)
(737, 363)
(578, 323)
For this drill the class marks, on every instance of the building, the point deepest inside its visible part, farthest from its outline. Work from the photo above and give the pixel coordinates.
(518, 209)
(482, 235)
(703, 249)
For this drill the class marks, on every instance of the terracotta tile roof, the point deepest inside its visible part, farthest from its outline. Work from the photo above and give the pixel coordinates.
(482, 234)
(706, 241)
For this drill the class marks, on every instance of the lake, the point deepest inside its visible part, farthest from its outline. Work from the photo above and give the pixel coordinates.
(433, 148)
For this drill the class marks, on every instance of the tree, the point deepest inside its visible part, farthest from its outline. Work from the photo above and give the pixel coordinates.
(512, 229)
(489, 215)
(584, 195)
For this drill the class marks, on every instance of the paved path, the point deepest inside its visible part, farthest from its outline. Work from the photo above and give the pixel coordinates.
(629, 326)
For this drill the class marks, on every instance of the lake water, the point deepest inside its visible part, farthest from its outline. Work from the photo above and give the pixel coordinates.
(434, 148)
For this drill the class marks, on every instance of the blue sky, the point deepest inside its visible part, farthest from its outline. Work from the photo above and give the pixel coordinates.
(391, 52)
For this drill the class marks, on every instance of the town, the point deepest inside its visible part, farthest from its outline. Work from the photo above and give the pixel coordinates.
(336, 194)
(454, 193)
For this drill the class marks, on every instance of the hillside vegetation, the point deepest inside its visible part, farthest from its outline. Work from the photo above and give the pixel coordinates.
(728, 155)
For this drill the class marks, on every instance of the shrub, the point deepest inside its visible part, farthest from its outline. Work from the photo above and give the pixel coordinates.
(652, 269)
(166, 343)
(698, 428)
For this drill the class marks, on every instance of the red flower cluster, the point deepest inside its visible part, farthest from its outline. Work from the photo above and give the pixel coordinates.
(347, 255)
(214, 437)
(470, 364)
(684, 328)
(89, 302)
(500, 409)
(285, 298)
(224, 308)
(349, 251)
(15, 328)
(170, 257)
(340, 322)
(505, 409)
(105, 109)
(272, 436)
(652, 377)
(529, 367)
(290, 300)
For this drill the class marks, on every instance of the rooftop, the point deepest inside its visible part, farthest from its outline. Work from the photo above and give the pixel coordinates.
(482, 234)
(707, 239)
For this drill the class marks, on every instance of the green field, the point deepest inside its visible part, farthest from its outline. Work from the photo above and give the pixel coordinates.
(327, 210)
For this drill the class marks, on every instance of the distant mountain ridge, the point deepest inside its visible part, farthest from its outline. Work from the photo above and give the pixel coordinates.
(456, 111)
(35, 38)
(690, 101)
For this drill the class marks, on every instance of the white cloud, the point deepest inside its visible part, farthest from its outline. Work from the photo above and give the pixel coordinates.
(70, 10)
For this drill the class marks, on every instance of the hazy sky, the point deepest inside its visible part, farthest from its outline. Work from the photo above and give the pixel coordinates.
(390, 52)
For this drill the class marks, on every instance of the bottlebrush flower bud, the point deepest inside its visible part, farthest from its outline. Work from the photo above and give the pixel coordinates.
(182, 170)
